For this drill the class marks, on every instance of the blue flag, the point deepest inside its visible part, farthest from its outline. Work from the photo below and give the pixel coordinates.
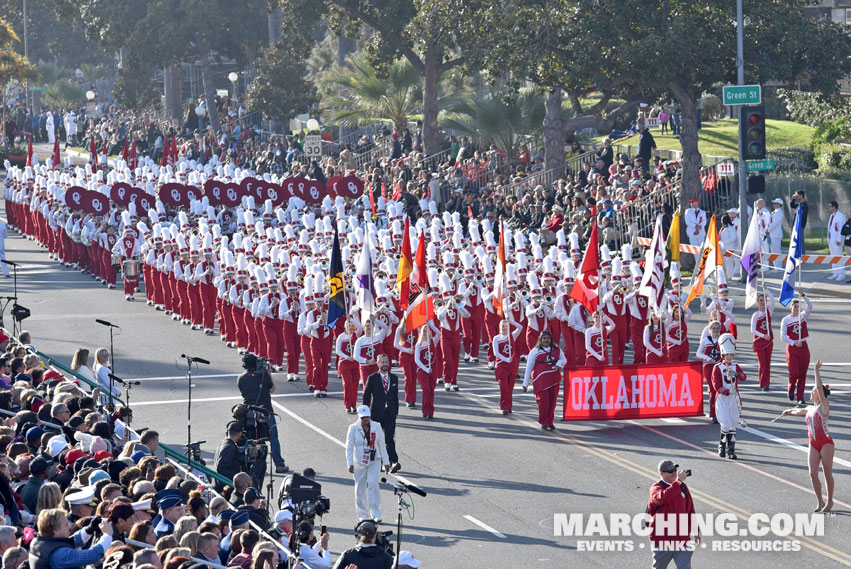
(336, 284)
(796, 253)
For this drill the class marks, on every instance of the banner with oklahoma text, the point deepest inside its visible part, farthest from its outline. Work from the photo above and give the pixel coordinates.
(633, 392)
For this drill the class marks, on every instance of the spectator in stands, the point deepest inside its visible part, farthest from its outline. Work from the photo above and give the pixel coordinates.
(51, 549)
(15, 557)
(25, 338)
(314, 552)
(102, 372)
(38, 474)
(256, 507)
(80, 364)
(49, 497)
(147, 556)
(8, 539)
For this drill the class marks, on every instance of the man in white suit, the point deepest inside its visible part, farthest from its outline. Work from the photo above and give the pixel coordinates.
(366, 453)
(835, 239)
(775, 231)
(695, 219)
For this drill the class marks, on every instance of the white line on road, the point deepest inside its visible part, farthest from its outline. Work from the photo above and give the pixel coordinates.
(790, 444)
(309, 425)
(673, 420)
(484, 526)
(172, 377)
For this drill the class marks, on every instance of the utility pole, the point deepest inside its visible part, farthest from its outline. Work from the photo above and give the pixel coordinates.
(27, 57)
(743, 174)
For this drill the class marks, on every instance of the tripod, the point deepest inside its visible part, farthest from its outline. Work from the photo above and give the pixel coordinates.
(399, 493)
(111, 405)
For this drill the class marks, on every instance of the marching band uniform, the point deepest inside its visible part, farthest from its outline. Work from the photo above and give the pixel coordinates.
(426, 360)
(654, 344)
(638, 305)
(763, 339)
(794, 329)
(405, 344)
(320, 344)
(726, 378)
(615, 309)
(577, 321)
(472, 325)
(676, 336)
(710, 353)
(506, 369)
(450, 333)
(596, 349)
(128, 249)
(537, 315)
(347, 368)
(543, 369)
(492, 319)
(366, 351)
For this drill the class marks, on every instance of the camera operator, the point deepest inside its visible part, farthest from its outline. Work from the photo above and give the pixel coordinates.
(256, 507)
(227, 461)
(366, 554)
(312, 551)
(256, 387)
(671, 497)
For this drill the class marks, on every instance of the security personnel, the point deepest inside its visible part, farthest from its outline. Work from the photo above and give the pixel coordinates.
(171, 509)
(81, 503)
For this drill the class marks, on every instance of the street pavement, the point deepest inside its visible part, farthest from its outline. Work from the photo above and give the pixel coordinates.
(495, 484)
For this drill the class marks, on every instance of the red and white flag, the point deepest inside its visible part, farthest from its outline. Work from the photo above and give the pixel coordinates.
(499, 277)
(585, 289)
(653, 282)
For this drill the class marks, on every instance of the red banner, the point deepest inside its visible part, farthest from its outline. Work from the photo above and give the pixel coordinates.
(633, 392)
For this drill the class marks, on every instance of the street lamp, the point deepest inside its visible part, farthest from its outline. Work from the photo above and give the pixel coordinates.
(90, 95)
(233, 76)
(312, 125)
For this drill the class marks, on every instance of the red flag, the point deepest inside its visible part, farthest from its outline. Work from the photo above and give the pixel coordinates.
(93, 154)
(105, 153)
(403, 279)
(57, 159)
(124, 151)
(30, 151)
(419, 274)
(164, 159)
(419, 312)
(499, 280)
(172, 159)
(131, 162)
(584, 290)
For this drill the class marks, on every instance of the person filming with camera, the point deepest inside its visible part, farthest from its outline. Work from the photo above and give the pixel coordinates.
(367, 554)
(314, 552)
(256, 387)
(670, 498)
(227, 462)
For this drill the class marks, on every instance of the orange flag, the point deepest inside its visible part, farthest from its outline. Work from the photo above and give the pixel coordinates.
(711, 258)
(499, 280)
(406, 266)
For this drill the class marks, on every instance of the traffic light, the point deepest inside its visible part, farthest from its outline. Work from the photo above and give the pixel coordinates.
(752, 132)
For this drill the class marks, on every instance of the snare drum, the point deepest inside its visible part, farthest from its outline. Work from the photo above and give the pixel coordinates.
(115, 260)
(132, 268)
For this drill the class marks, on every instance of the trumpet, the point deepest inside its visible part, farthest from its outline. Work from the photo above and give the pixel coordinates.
(480, 278)
(439, 303)
(524, 294)
(549, 299)
(624, 289)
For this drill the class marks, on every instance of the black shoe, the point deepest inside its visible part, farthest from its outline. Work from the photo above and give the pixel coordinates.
(410, 405)
(714, 420)
(310, 388)
(505, 411)
(281, 469)
(509, 411)
(764, 388)
(552, 427)
(791, 394)
(543, 427)
(801, 404)
(395, 468)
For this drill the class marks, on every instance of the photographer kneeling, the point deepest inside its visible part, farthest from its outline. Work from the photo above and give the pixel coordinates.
(227, 461)
(256, 387)
(366, 554)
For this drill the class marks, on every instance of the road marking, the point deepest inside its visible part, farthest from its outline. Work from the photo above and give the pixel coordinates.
(673, 420)
(790, 444)
(811, 544)
(484, 526)
(172, 377)
(309, 425)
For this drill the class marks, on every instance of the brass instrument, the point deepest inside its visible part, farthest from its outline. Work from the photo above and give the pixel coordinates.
(549, 299)
(480, 278)
(624, 289)
(459, 299)
(525, 294)
(439, 303)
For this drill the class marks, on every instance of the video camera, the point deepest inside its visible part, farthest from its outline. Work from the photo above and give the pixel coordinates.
(306, 497)
(254, 364)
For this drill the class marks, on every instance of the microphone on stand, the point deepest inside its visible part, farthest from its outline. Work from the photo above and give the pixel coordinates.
(406, 485)
(105, 323)
(197, 360)
(122, 381)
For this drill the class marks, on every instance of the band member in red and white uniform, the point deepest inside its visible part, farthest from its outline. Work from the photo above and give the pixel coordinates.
(538, 314)
(450, 316)
(178, 268)
(512, 308)
(426, 360)
(304, 331)
(404, 342)
(288, 311)
(320, 339)
(544, 370)
(710, 353)
(128, 249)
(271, 325)
(223, 283)
(763, 335)
(615, 308)
(347, 367)
(676, 334)
(206, 272)
(471, 291)
(794, 333)
(367, 349)
(723, 304)
(193, 291)
(654, 340)
(726, 375)
(235, 296)
(577, 320)
(563, 306)
(507, 364)
(639, 309)
(596, 349)
(492, 317)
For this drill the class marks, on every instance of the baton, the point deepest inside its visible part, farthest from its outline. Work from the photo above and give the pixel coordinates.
(774, 420)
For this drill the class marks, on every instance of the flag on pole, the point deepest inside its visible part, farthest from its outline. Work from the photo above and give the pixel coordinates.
(336, 284)
(131, 162)
(406, 262)
(796, 252)
(499, 280)
(710, 259)
(419, 274)
(105, 153)
(584, 289)
(172, 159)
(164, 159)
(29, 151)
(93, 154)
(365, 284)
(124, 151)
(750, 261)
(420, 311)
(673, 242)
(57, 158)
(653, 281)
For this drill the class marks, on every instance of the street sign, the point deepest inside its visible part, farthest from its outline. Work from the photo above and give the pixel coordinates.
(651, 122)
(726, 169)
(742, 94)
(759, 165)
(39, 88)
(313, 146)
(91, 110)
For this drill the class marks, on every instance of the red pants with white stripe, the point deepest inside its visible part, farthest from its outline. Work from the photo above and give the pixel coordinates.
(208, 306)
(636, 332)
(569, 349)
(409, 370)
(273, 330)
(130, 284)
(348, 371)
(450, 349)
(798, 360)
(707, 379)
(619, 336)
(292, 345)
(304, 341)
(472, 329)
(321, 349)
(763, 350)
(196, 312)
(506, 377)
(365, 371)
(492, 320)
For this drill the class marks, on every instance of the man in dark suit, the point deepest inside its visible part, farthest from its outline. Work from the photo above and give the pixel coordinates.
(381, 395)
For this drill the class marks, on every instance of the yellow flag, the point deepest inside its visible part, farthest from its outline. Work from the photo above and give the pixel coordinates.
(673, 242)
(710, 259)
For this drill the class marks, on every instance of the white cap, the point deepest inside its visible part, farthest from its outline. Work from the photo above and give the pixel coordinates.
(407, 558)
(363, 411)
(283, 515)
(83, 496)
(56, 445)
(777, 201)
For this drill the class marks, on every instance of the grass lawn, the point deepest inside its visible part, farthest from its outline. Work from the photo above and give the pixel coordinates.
(721, 137)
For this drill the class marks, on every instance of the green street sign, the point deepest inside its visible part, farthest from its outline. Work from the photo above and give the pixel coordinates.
(757, 165)
(742, 95)
(41, 88)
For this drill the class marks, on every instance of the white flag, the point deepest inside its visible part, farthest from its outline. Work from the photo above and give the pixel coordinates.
(653, 282)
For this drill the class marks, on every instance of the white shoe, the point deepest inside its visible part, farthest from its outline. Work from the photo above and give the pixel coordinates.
(467, 357)
(491, 365)
(175, 317)
(475, 360)
(448, 387)
(831, 277)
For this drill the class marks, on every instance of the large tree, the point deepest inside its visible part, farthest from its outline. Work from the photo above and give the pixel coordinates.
(428, 33)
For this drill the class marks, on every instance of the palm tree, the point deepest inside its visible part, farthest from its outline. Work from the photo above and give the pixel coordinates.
(64, 94)
(366, 97)
(497, 118)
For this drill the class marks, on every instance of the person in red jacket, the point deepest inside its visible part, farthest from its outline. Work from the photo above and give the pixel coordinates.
(671, 497)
